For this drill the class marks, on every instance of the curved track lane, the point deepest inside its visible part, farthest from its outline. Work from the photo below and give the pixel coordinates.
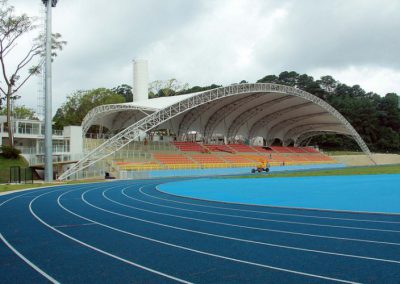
(129, 231)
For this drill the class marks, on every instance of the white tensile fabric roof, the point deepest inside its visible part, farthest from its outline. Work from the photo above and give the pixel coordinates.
(257, 114)
(242, 111)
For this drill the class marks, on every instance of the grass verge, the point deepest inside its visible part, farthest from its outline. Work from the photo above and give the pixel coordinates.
(5, 165)
(11, 187)
(370, 170)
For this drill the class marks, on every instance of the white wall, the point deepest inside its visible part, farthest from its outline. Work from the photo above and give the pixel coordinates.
(74, 133)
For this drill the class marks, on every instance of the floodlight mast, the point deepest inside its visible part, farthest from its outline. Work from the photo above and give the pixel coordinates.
(53, 2)
(48, 131)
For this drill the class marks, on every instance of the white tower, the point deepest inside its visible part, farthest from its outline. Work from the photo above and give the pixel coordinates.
(140, 80)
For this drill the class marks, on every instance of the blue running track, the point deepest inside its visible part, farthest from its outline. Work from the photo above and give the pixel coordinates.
(361, 193)
(128, 231)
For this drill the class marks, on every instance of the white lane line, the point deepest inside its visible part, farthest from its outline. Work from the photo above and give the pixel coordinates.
(274, 220)
(95, 248)
(15, 197)
(242, 226)
(27, 261)
(50, 188)
(15, 251)
(237, 239)
(278, 207)
(203, 252)
(73, 225)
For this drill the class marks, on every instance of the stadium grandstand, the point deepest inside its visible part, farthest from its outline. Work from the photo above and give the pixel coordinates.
(228, 127)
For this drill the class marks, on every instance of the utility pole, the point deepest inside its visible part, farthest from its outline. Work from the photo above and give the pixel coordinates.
(48, 131)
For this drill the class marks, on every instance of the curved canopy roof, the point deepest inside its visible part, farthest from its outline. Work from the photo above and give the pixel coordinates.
(119, 116)
(265, 110)
(267, 114)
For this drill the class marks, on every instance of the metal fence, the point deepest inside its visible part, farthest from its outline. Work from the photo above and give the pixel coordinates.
(16, 174)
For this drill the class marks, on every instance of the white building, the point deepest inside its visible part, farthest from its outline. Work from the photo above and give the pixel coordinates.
(29, 138)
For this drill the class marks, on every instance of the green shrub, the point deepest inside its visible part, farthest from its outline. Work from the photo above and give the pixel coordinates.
(10, 152)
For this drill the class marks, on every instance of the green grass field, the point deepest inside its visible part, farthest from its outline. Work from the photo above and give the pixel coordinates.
(11, 187)
(370, 170)
(5, 165)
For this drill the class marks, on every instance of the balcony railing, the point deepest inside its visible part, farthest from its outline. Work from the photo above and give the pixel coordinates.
(38, 160)
(27, 131)
(55, 132)
(40, 150)
(33, 131)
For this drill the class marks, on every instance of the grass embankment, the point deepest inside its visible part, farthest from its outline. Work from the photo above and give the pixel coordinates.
(5, 165)
(370, 170)
(11, 187)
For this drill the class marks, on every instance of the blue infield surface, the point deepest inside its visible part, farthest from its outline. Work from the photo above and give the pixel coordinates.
(370, 193)
(129, 232)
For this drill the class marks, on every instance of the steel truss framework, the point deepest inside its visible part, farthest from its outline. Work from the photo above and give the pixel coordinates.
(293, 133)
(308, 135)
(158, 117)
(265, 121)
(105, 110)
(190, 118)
(245, 116)
(221, 113)
(288, 123)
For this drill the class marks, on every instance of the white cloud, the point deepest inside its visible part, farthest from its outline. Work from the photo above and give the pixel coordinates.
(221, 42)
(371, 78)
(220, 46)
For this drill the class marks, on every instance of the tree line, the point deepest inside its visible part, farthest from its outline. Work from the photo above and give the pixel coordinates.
(376, 118)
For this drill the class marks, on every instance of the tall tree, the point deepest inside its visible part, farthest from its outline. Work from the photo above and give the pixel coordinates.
(74, 110)
(196, 89)
(167, 88)
(327, 83)
(376, 118)
(269, 79)
(21, 112)
(125, 91)
(288, 78)
(12, 28)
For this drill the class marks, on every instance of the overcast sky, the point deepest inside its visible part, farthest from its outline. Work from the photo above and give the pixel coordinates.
(220, 41)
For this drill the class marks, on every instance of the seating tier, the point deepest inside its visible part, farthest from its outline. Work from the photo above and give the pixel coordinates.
(282, 149)
(219, 148)
(172, 159)
(178, 156)
(263, 149)
(189, 147)
(241, 148)
(310, 150)
(207, 159)
(236, 159)
(297, 150)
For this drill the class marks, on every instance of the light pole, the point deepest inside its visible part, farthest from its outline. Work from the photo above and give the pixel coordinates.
(48, 131)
